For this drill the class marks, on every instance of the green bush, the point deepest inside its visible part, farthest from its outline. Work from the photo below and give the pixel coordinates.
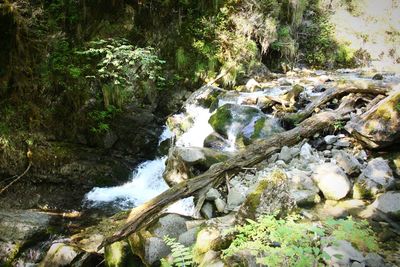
(291, 242)
(121, 68)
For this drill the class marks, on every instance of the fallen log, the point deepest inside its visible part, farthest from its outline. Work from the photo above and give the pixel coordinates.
(216, 175)
(295, 118)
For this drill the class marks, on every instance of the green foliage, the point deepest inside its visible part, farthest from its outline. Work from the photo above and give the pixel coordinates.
(291, 242)
(338, 125)
(356, 232)
(121, 68)
(101, 119)
(182, 256)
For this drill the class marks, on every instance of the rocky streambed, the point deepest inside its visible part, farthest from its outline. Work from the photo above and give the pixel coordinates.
(335, 173)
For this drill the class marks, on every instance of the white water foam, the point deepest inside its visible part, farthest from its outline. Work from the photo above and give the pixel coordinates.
(146, 183)
(200, 129)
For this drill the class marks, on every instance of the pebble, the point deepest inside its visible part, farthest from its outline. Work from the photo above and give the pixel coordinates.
(330, 139)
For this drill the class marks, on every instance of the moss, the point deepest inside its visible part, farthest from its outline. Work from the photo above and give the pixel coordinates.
(221, 119)
(119, 254)
(258, 126)
(360, 191)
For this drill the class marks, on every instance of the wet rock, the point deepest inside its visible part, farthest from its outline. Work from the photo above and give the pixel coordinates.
(60, 255)
(211, 259)
(332, 181)
(347, 162)
(204, 96)
(215, 141)
(18, 228)
(375, 178)
(389, 204)
(380, 125)
(330, 139)
(119, 254)
(246, 122)
(184, 162)
(348, 254)
(377, 76)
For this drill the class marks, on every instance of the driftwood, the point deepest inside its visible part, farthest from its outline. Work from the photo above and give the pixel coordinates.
(330, 94)
(216, 175)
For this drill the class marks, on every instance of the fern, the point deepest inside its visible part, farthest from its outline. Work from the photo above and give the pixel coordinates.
(182, 256)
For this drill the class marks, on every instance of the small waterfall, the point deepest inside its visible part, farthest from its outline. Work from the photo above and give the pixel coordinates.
(147, 181)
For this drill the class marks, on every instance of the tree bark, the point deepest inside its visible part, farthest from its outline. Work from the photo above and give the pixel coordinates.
(216, 175)
(327, 96)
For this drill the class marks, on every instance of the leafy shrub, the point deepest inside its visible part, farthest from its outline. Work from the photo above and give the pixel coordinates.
(291, 242)
(121, 68)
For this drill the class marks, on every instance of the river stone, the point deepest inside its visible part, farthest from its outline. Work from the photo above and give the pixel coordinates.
(213, 194)
(215, 141)
(207, 210)
(234, 199)
(332, 181)
(285, 154)
(60, 255)
(18, 228)
(346, 250)
(188, 238)
(306, 152)
(379, 126)
(389, 203)
(251, 85)
(330, 139)
(346, 161)
(220, 205)
(375, 178)
(184, 162)
(205, 96)
(148, 243)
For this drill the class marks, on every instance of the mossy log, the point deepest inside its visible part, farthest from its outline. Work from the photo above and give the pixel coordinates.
(295, 118)
(217, 174)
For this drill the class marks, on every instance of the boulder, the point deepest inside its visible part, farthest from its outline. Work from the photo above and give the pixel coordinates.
(205, 96)
(18, 228)
(184, 162)
(389, 204)
(244, 121)
(119, 254)
(271, 194)
(149, 244)
(302, 188)
(379, 126)
(332, 181)
(375, 178)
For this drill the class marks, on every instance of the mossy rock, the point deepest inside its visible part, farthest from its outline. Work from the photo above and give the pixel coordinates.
(246, 122)
(270, 195)
(119, 254)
